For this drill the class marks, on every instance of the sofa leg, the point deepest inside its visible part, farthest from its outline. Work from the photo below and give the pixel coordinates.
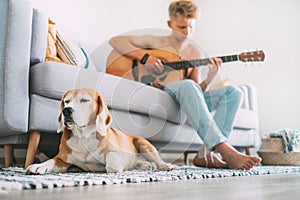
(247, 151)
(8, 155)
(185, 158)
(34, 140)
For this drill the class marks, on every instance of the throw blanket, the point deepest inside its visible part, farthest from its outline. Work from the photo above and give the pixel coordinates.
(290, 139)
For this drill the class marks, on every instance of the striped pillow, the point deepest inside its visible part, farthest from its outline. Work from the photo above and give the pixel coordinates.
(69, 52)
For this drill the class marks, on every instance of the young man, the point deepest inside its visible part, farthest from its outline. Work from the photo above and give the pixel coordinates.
(191, 93)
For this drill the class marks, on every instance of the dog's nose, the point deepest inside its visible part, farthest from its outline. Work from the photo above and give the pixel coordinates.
(67, 111)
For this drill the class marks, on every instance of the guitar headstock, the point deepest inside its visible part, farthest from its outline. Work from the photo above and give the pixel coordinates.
(252, 56)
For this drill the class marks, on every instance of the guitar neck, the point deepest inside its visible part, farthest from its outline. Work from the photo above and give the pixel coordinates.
(199, 62)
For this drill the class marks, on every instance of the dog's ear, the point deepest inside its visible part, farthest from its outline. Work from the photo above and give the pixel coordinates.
(103, 119)
(60, 120)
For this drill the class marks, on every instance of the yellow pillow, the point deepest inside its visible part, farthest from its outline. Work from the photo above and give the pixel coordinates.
(51, 52)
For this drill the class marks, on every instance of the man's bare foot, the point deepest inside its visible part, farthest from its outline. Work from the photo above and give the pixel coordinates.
(241, 161)
(211, 161)
(235, 159)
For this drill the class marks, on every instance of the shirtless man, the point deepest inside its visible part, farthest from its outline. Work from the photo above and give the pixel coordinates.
(213, 130)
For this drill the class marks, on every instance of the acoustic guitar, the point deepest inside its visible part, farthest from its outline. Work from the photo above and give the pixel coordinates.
(174, 68)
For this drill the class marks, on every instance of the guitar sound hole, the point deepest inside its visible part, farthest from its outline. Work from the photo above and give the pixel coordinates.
(163, 78)
(147, 79)
(156, 73)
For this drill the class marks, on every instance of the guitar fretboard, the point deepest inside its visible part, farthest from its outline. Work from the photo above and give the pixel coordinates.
(199, 62)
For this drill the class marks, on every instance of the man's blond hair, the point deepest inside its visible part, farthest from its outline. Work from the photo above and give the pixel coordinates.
(185, 8)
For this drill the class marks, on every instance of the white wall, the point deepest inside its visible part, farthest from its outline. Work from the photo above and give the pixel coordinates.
(224, 27)
(272, 25)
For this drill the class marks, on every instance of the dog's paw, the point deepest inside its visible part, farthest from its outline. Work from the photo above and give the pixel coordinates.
(167, 167)
(42, 168)
(145, 166)
(36, 169)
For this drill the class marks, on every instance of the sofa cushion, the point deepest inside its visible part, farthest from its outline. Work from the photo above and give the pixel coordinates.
(119, 93)
(51, 79)
(38, 37)
(43, 114)
(179, 136)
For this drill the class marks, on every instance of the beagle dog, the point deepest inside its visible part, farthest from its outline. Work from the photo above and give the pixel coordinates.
(90, 143)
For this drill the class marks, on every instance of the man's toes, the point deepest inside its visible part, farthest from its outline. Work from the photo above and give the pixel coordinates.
(248, 166)
(252, 162)
(257, 160)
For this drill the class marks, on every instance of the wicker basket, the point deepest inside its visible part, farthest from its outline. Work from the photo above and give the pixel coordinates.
(271, 152)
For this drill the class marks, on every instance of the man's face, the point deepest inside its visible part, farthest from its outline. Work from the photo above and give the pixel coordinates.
(182, 27)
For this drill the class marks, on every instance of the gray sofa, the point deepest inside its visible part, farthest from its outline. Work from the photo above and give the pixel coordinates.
(31, 89)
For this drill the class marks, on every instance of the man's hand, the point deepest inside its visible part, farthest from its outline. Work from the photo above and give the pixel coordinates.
(154, 64)
(213, 69)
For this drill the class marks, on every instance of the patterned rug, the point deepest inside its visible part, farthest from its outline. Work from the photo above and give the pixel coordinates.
(15, 178)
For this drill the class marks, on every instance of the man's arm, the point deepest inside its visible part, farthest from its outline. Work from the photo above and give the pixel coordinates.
(135, 47)
(132, 46)
(213, 69)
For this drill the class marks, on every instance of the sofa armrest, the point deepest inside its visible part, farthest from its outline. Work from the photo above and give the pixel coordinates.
(15, 42)
(252, 97)
(247, 115)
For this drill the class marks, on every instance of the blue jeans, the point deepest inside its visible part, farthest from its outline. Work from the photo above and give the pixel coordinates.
(199, 106)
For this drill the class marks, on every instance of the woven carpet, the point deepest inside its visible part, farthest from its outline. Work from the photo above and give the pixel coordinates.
(15, 178)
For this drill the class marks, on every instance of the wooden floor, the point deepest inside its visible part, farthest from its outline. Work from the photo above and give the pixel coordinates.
(278, 187)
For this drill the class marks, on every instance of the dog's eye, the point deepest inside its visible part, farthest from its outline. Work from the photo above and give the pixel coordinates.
(84, 100)
(67, 101)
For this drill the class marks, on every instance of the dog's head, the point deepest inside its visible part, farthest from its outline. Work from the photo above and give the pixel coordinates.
(82, 108)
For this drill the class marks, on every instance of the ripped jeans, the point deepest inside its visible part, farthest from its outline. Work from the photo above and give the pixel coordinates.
(198, 107)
